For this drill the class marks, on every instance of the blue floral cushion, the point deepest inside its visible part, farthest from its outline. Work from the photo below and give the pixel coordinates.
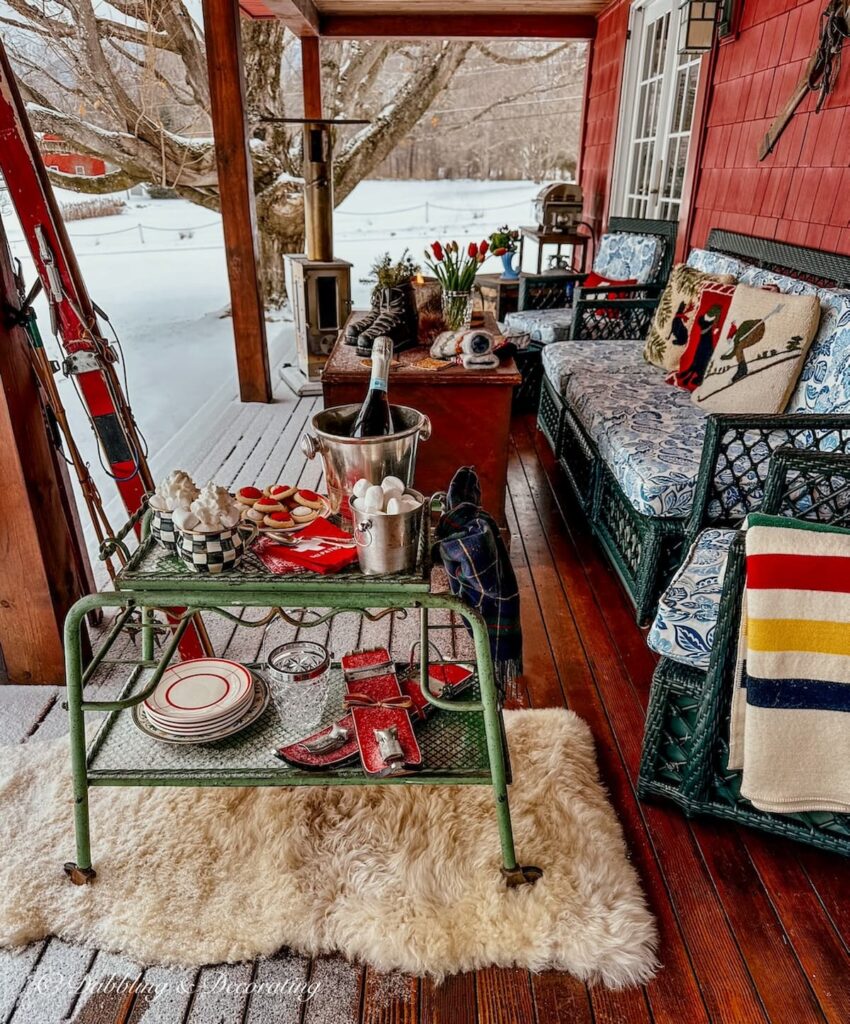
(687, 612)
(824, 382)
(649, 434)
(543, 325)
(566, 357)
(717, 263)
(623, 255)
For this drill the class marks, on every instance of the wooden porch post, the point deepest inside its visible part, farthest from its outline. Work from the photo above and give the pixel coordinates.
(311, 76)
(227, 103)
(42, 562)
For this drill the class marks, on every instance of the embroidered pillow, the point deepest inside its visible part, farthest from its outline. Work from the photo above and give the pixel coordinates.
(760, 353)
(712, 306)
(671, 324)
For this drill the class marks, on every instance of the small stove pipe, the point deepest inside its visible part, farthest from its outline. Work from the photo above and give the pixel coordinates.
(318, 192)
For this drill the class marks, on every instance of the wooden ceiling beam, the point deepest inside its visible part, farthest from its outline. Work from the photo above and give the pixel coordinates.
(453, 26)
(300, 16)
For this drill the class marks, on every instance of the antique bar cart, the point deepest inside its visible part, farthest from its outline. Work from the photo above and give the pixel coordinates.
(463, 744)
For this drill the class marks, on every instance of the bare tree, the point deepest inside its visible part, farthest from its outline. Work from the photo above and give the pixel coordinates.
(127, 82)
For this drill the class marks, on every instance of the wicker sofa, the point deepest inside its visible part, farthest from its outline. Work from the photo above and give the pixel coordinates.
(685, 747)
(645, 463)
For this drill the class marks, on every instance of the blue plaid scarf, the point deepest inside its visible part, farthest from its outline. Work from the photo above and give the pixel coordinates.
(480, 572)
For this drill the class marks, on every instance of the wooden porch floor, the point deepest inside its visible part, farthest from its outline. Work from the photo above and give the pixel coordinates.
(753, 929)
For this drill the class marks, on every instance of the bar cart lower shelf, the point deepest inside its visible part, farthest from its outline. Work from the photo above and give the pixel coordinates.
(463, 743)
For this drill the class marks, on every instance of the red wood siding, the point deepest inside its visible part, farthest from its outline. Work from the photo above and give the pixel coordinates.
(801, 192)
(602, 103)
(70, 163)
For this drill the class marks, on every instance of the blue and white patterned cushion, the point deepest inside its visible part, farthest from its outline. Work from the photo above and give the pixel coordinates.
(543, 325)
(717, 263)
(687, 612)
(824, 382)
(649, 434)
(623, 255)
(564, 358)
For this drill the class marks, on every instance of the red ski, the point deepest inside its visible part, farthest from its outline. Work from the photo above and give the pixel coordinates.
(89, 358)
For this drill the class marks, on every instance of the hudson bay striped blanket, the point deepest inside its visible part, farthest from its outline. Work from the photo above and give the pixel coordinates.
(790, 724)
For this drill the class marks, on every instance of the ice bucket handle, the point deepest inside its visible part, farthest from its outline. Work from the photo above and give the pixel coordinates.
(425, 428)
(310, 446)
(363, 533)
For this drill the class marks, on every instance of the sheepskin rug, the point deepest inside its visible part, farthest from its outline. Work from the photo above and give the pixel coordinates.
(401, 877)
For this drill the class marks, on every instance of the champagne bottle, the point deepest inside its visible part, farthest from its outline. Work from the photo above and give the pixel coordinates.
(375, 418)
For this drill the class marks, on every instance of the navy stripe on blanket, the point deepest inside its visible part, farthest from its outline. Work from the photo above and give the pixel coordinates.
(797, 694)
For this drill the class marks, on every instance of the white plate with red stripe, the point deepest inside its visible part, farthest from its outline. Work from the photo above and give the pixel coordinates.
(200, 692)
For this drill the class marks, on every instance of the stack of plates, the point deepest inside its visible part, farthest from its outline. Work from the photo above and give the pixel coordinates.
(201, 701)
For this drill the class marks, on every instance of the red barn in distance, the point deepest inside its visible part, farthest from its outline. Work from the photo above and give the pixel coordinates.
(59, 156)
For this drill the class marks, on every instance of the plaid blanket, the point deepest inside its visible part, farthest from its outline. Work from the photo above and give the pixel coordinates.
(480, 572)
(790, 722)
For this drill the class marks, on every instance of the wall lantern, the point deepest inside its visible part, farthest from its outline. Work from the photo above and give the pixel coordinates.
(697, 20)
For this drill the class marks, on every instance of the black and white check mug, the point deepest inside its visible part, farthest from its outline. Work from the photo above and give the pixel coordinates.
(163, 529)
(218, 552)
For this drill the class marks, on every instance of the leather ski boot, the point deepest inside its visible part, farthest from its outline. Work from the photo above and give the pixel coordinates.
(393, 319)
(354, 329)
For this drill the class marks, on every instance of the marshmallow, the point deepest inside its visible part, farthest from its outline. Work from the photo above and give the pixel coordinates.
(394, 506)
(392, 483)
(185, 519)
(373, 500)
(361, 487)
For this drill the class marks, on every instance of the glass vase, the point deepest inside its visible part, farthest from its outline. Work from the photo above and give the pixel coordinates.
(457, 310)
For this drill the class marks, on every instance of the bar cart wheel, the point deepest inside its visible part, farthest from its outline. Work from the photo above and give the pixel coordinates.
(79, 876)
(515, 877)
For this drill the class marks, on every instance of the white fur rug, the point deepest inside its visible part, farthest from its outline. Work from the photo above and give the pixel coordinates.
(402, 877)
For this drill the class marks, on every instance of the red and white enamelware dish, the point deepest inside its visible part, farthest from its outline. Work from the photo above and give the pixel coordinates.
(202, 690)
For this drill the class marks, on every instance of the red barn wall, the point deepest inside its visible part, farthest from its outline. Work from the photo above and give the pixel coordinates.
(601, 107)
(68, 163)
(801, 192)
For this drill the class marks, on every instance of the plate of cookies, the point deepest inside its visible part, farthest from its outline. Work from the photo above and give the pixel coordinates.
(281, 508)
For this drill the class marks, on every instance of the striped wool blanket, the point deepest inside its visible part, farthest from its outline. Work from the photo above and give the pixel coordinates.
(790, 724)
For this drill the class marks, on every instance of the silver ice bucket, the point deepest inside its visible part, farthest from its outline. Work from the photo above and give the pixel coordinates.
(388, 543)
(347, 459)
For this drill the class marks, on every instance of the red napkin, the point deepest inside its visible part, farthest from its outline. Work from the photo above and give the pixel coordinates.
(313, 551)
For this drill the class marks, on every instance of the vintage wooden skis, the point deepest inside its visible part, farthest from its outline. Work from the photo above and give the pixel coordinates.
(88, 357)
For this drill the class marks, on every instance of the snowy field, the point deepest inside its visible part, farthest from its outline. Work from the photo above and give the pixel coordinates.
(158, 270)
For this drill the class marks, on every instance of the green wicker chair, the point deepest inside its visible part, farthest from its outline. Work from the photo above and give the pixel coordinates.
(646, 550)
(685, 746)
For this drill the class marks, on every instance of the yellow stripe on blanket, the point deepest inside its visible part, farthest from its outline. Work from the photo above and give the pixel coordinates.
(812, 635)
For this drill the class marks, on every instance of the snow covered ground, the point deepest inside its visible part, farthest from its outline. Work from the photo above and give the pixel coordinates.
(159, 272)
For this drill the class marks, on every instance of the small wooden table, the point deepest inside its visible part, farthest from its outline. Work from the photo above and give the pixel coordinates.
(500, 295)
(470, 413)
(556, 238)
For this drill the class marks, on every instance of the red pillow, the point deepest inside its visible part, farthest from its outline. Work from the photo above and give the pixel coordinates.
(713, 303)
(594, 280)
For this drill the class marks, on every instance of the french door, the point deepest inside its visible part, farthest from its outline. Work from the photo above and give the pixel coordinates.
(656, 113)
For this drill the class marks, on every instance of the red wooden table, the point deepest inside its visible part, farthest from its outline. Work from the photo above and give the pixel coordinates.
(470, 413)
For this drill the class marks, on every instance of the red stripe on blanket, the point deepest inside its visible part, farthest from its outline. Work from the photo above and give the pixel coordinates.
(799, 572)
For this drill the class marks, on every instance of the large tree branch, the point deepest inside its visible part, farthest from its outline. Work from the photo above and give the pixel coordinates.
(112, 181)
(365, 150)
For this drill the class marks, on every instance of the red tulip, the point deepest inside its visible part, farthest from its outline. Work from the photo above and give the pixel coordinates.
(437, 249)
(472, 250)
(482, 249)
(500, 251)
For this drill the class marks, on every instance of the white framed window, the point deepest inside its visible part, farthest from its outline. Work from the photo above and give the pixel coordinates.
(656, 115)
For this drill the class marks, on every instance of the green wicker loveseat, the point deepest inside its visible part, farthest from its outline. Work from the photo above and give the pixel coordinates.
(645, 463)
(685, 747)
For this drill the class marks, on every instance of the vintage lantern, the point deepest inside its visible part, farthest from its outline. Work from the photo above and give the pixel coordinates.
(697, 20)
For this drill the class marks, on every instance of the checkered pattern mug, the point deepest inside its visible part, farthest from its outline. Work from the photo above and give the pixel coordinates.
(163, 530)
(214, 553)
